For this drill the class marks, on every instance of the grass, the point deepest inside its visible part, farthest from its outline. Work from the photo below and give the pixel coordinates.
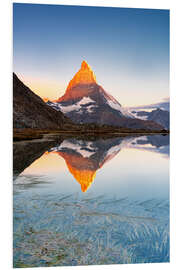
(104, 132)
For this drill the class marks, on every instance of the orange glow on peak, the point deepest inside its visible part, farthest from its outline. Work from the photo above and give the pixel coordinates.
(84, 177)
(84, 65)
(84, 76)
(81, 168)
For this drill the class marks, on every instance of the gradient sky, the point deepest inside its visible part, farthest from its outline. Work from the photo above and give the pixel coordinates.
(128, 49)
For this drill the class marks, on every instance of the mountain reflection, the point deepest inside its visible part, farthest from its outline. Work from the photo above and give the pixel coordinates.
(84, 157)
(153, 143)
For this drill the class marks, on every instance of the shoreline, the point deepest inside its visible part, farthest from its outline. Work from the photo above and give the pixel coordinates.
(31, 134)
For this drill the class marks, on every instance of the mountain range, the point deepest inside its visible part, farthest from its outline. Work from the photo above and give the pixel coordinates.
(163, 105)
(87, 102)
(84, 106)
(159, 116)
(84, 157)
(157, 112)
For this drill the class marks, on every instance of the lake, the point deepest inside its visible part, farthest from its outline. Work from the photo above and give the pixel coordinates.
(91, 201)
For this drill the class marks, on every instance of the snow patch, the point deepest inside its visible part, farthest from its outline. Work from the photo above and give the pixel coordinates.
(126, 112)
(119, 108)
(135, 143)
(84, 149)
(75, 107)
(114, 149)
(85, 100)
(144, 117)
(113, 105)
(146, 110)
(66, 109)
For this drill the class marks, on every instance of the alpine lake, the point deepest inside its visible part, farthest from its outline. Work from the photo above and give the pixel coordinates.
(91, 201)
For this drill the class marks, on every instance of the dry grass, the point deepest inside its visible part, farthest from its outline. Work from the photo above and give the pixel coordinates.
(29, 134)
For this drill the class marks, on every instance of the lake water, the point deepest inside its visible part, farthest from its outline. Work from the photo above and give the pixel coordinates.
(98, 201)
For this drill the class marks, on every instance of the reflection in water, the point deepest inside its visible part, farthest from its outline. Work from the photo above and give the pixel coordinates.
(26, 152)
(84, 158)
(122, 218)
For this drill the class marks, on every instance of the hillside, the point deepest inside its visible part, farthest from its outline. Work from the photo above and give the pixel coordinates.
(30, 111)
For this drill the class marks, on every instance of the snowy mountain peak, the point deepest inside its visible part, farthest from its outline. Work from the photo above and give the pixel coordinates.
(85, 101)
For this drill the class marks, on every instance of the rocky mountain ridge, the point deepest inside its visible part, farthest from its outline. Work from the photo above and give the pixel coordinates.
(87, 102)
(30, 111)
(159, 116)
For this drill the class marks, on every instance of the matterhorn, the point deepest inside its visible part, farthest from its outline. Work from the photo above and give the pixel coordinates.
(85, 101)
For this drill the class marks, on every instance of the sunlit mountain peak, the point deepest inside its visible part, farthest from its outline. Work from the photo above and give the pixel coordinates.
(84, 65)
(85, 75)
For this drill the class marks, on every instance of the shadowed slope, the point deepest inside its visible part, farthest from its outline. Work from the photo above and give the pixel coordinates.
(30, 111)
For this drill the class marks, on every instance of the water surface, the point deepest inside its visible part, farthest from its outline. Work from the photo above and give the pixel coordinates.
(100, 201)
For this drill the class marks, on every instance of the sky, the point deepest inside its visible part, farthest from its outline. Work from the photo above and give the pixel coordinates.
(128, 49)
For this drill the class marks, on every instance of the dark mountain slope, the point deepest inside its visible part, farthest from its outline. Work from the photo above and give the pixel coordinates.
(30, 111)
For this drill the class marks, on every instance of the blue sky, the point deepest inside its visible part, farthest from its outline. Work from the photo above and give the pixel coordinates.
(128, 49)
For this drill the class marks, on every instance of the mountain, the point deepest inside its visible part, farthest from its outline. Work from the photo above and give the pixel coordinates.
(84, 158)
(87, 102)
(158, 144)
(163, 105)
(30, 111)
(159, 116)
